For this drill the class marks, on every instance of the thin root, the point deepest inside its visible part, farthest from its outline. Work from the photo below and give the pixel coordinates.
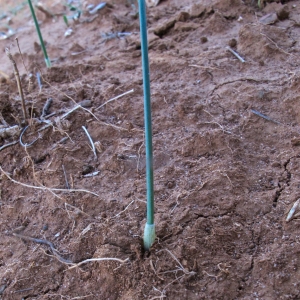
(44, 188)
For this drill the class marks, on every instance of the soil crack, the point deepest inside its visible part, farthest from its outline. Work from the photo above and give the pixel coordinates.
(284, 181)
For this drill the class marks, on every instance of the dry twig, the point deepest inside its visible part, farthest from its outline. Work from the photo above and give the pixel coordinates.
(16, 71)
(115, 98)
(29, 77)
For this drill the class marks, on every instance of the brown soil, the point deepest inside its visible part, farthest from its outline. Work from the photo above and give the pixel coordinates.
(225, 177)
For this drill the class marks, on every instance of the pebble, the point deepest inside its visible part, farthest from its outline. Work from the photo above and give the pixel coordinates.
(232, 43)
(203, 39)
(86, 103)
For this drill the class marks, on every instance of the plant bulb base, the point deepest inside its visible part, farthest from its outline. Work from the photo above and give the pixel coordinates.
(149, 236)
(48, 62)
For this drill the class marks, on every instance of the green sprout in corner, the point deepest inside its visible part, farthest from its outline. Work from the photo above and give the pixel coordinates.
(47, 60)
(77, 11)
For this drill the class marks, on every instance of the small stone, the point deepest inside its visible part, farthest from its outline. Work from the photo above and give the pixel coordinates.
(86, 103)
(203, 39)
(2, 289)
(181, 26)
(3, 80)
(87, 169)
(276, 165)
(114, 80)
(162, 47)
(37, 47)
(251, 246)
(136, 54)
(232, 43)
(63, 98)
(283, 13)
(295, 141)
(164, 27)
(76, 48)
(182, 16)
(170, 184)
(197, 10)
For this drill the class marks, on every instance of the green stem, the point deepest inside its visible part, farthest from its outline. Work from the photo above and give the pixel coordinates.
(149, 234)
(47, 60)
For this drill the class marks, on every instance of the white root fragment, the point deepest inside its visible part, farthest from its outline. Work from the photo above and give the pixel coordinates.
(91, 174)
(292, 211)
(235, 54)
(91, 141)
(99, 259)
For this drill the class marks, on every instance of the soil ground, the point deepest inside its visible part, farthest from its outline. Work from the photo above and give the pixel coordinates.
(226, 140)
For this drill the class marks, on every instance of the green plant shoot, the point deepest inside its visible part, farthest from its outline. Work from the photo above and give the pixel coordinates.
(47, 60)
(149, 232)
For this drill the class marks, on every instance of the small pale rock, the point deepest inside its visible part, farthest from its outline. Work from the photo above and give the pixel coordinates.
(151, 3)
(152, 38)
(76, 48)
(162, 47)
(164, 27)
(182, 16)
(268, 19)
(63, 97)
(86, 103)
(197, 10)
(181, 26)
(136, 54)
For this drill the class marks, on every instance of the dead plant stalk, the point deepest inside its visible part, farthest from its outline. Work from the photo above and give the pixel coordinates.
(16, 71)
